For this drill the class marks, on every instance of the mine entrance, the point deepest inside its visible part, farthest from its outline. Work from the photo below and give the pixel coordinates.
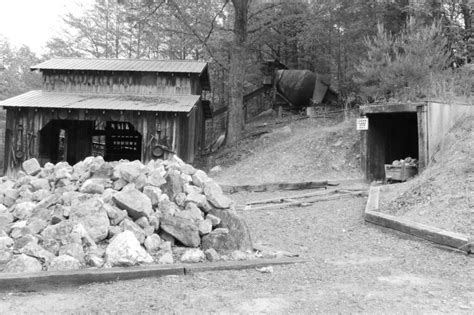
(74, 140)
(391, 136)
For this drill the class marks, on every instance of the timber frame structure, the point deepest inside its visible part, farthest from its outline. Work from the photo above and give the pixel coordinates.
(117, 108)
(400, 130)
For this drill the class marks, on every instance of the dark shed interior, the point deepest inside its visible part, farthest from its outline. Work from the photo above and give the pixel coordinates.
(391, 136)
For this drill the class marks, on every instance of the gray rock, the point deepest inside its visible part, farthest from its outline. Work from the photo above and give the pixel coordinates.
(188, 169)
(58, 214)
(190, 215)
(74, 250)
(62, 233)
(34, 250)
(23, 210)
(153, 193)
(93, 186)
(49, 201)
(19, 229)
(114, 230)
(115, 214)
(6, 243)
(134, 202)
(31, 167)
(36, 225)
(64, 262)
(128, 225)
(199, 178)
(19, 243)
(94, 260)
(190, 189)
(238, 237)
(186, 178)
(140, 182)
(5, 256)
(125, 250)
(205, 227)
(152, 243)
(193, 255)
(167, 238)
(40, 195)
(214, 220)
(198, 199)
(10, 196)
(119, 184)
(174, 184)
(40, 184)
(180, 199)
(181, 229)
(197, 213)
(68, 197)
(93, 216)
(211, 255)
(215, 196)
(23, 263)
(155, 221)
(239, 255)
(166, 259)
(144, 223)
(5, 219)
(129, 171)
(62, 170)
(166, 207)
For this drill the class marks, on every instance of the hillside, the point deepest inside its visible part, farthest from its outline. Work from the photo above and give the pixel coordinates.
(290, 149)
(443, 195)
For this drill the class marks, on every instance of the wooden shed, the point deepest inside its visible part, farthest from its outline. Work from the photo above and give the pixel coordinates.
(117, 108)
(401, 130)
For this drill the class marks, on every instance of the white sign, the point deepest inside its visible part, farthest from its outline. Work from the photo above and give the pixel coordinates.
(362, 123)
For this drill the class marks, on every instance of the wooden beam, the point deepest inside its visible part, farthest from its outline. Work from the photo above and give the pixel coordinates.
(433, 234)
(430, 233)
(274, 186)
(241, 265)
(389, 108)
(60, 279)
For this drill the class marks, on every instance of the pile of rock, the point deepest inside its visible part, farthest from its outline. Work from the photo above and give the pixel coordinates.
(105, 214)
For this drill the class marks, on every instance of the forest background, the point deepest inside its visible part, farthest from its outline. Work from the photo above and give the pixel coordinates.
(369, 50)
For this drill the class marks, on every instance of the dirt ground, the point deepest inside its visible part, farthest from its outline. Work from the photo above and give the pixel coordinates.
(353, 267)
(443, 195)
(293, 149)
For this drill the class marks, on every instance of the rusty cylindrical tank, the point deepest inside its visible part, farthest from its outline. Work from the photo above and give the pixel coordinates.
(296, 85)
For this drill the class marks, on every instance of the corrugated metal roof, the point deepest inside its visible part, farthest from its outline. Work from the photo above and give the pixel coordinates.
(161, 103)
(142, 65)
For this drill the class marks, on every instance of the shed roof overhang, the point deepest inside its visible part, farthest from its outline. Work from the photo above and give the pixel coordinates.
(155, 103)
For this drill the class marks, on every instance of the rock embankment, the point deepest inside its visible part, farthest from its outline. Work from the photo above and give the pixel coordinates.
(104, 214)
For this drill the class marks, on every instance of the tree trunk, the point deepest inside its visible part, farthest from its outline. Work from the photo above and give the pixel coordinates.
(467, 10)
(237, 72)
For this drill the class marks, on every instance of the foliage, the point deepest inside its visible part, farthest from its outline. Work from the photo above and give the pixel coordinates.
(17, 78)
(400, 66)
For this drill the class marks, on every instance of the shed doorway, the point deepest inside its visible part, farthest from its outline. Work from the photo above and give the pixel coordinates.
(74, 140)
(391, 136)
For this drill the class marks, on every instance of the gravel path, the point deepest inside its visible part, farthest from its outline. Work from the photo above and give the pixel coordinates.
(354, 268)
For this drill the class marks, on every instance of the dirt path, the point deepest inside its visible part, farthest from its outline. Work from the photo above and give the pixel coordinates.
(353, 268)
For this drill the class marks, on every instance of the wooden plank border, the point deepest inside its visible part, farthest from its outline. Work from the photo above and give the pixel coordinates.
(59, 279)
(50, 280)
(433, 234)
(274, 186)
(241, 265)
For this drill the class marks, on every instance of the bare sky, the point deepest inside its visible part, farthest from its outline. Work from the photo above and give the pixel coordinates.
(33, 22)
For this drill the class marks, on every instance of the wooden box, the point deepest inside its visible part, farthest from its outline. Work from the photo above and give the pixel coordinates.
(399, 173)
